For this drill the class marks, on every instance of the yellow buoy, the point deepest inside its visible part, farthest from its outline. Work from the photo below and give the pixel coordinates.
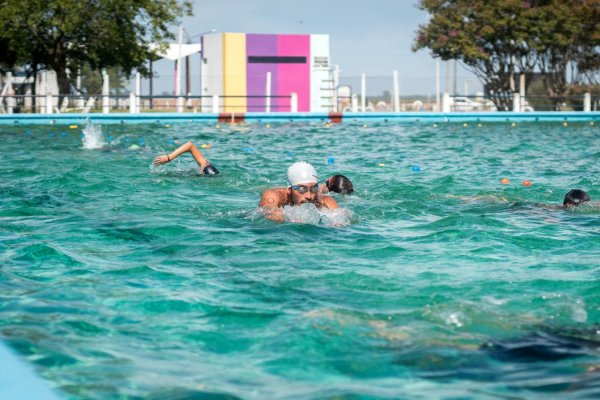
(72, 126)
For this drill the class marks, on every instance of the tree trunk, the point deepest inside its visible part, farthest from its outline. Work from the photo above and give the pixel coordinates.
(59, 65)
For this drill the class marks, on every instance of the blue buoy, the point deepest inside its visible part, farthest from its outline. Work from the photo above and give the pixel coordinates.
(248, 150)
(63, 134)
(171, 141)
(416, 168)
(141, 141)
(127, 140)
(330, 160)
(109, 138)
(28, 132)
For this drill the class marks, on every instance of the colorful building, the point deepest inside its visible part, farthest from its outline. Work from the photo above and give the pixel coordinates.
(236, 67)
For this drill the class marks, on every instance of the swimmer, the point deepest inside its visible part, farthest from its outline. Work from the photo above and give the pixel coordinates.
(337, 184)
(205, 166)
(575, 197)
(304, 188)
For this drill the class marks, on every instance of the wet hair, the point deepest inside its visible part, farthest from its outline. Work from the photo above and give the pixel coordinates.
(339, 184)
(210, 170)
(575, 197)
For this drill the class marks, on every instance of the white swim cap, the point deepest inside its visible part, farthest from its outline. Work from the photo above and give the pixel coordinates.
(302, 172)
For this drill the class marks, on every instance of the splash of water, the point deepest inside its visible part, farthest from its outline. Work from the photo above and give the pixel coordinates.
(92, 137)
(309, 214)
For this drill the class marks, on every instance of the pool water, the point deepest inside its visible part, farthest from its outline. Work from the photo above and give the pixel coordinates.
(119, 279)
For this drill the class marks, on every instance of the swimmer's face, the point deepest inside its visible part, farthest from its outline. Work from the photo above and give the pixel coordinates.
(305, 193)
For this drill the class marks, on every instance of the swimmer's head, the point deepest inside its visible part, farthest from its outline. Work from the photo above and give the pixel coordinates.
(210, 170)
(304, 183)
(302, 172)
(575, 197)
(339, 184)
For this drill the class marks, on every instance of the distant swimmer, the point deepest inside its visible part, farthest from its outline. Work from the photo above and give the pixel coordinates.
(575, 197)
(337, 184)
(304, 188)
(205, 166)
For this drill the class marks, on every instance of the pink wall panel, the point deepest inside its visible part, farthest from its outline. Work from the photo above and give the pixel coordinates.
(294, 77)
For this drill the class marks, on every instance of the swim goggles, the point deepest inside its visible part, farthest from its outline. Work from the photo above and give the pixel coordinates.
(303, 189)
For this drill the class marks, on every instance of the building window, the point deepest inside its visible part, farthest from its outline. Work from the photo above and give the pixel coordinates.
(276, 60)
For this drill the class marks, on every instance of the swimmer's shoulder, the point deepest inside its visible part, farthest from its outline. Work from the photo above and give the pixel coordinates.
(329, 202)
(274, 197)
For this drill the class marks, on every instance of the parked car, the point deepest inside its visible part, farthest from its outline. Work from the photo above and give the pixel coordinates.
(464, 104)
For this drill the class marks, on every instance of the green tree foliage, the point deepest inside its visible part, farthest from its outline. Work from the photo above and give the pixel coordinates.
(65, 35)
(499, 40)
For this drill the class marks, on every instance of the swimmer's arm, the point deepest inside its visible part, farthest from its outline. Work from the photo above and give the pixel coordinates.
(189, 146)
(323, 188)
(271, 203)
(329, 202)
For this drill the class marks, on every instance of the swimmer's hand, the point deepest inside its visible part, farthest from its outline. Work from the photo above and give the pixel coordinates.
(160, 160)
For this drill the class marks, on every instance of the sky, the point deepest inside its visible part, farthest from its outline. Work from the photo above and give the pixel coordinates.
(370, 37)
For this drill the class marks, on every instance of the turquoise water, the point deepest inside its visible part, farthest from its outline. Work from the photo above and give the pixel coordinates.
(122, 280)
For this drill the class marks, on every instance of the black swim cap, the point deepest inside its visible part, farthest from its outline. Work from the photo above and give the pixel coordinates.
(576, 197)
(339, 184)
(210, 170)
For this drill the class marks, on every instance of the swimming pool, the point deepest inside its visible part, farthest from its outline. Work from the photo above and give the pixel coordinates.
(122, 279)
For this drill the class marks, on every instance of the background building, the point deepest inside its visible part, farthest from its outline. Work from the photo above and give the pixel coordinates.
(236, 67)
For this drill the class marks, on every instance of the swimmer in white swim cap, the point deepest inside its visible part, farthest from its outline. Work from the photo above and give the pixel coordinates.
(304, 188)
(205, 166)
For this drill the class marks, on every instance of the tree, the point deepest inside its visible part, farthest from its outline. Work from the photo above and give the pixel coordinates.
(65, 35)
(498, 40)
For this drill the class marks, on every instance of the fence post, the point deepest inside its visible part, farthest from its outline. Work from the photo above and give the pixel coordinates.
(132, 101)
(138, 92)
(105, 91)
(215, 103)
(294, 102)
(516, 102)
(587, 102)
(268, 93)
(446, 102)
(10, 101)
(363, 90)
(396, 93)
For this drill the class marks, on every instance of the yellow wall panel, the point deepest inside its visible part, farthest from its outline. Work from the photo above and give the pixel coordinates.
(234, 72)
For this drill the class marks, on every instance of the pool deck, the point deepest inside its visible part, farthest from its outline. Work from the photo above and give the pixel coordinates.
(18, 381)
(404, 117)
